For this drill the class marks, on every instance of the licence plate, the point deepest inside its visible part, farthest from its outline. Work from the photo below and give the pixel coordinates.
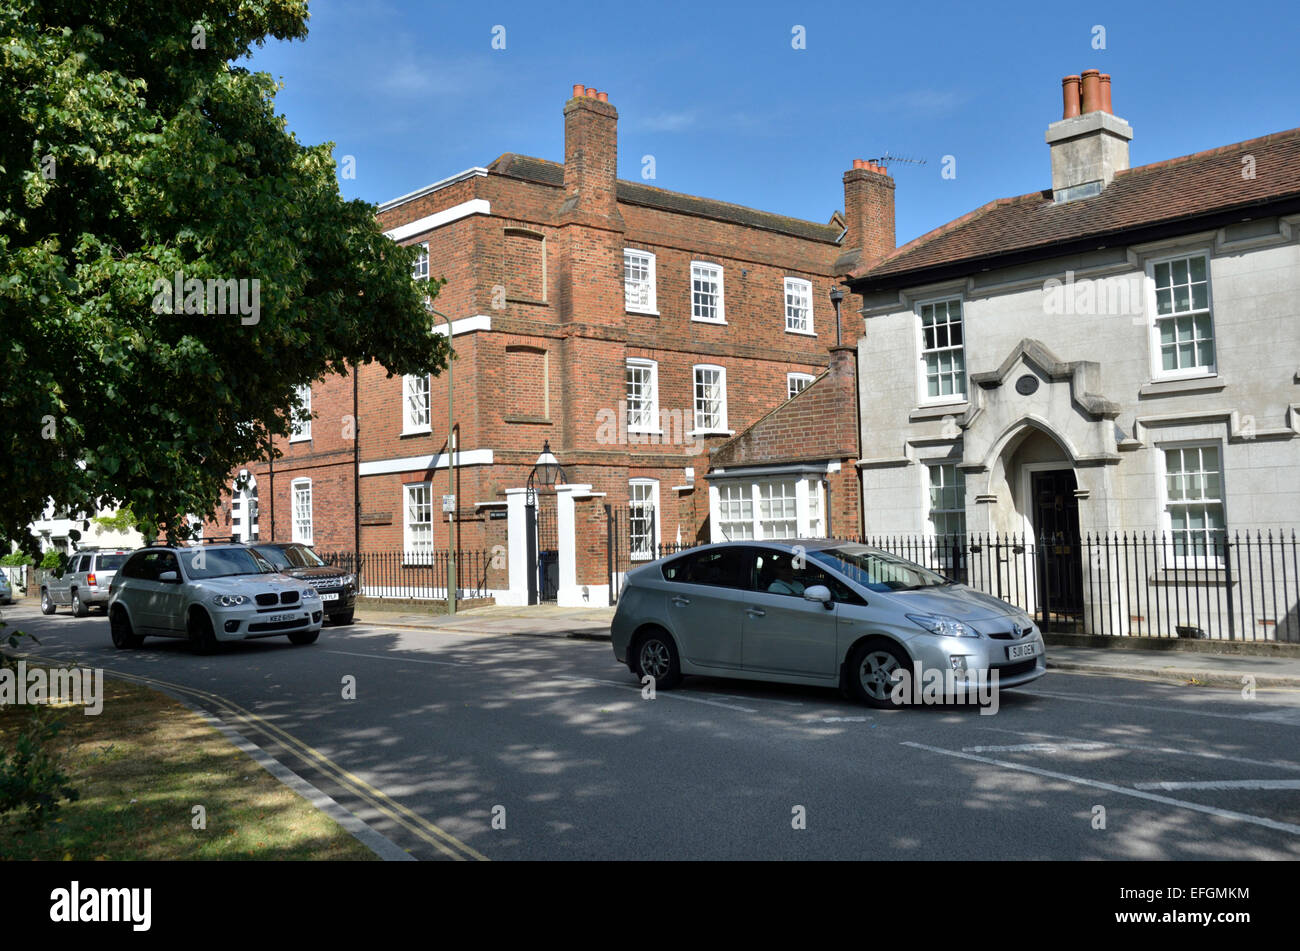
(1021, 651)
(330, 597)
(276, 618)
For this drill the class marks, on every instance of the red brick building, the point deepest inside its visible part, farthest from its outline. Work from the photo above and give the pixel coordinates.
(634, 329)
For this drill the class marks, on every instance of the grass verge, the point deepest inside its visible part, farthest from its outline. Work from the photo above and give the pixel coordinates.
(141, 766)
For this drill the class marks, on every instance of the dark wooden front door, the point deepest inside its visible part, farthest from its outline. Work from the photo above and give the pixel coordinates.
(1060, 562)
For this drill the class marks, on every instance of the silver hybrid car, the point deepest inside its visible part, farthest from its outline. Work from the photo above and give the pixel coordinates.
(819, 612)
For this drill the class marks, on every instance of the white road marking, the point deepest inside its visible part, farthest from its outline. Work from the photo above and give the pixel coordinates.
(1226, 784)
(404, 660)
(1142, 748)
(1035, 747)
(1118, 790)
(1255, 717)
(842, 720)
(659, 693)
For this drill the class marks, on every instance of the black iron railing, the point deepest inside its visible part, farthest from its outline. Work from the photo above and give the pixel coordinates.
(1238, 586)
(421, 575)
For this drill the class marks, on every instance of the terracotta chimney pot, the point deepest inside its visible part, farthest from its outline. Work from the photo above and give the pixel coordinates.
(577, 89)
(603, 96)
(1105, 93)
(1070, 96)
(1091, 90)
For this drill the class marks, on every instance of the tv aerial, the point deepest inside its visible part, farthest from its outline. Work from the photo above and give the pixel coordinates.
(889, 158)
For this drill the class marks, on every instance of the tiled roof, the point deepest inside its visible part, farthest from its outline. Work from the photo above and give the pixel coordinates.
(544, 172)
(1191, 186)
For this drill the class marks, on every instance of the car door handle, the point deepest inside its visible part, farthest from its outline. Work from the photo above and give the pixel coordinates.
(680, 601)
(755, 612)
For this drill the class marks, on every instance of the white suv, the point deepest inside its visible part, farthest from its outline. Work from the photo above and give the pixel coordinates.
(209, 594)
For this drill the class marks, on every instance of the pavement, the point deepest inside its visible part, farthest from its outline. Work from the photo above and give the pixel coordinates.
(1180, 666)
(539, 620)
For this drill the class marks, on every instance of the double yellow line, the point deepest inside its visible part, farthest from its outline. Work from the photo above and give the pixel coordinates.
(414, 823)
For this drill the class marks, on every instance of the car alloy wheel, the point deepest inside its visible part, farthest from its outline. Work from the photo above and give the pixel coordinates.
(79, 608)
(656, 656)
(871, 670)
(202, 637)
(120, 627)
(47, 605)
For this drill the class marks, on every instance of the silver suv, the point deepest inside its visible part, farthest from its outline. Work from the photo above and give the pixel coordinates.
(813, 611)
(85, 584)
(209, 594)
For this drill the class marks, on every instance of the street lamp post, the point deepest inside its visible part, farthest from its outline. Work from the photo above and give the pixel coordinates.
(452, 529)
(548, 469)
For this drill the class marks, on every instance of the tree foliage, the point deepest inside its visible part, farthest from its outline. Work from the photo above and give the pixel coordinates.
(134, 147)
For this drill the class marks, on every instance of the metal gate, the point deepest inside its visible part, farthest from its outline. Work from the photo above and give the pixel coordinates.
(545, 569)
(629, 540)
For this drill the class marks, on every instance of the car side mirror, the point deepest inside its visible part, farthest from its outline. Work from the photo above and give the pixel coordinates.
(819, 592)
(170, 577)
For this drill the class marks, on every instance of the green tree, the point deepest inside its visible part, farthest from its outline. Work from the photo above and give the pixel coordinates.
(134, 148)
(121, 521)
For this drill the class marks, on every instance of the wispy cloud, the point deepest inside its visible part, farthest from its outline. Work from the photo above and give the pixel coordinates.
(669, 122)
(927, 102)
(412, 76)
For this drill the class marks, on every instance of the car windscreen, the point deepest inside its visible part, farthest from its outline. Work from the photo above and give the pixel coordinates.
(275, 556)
(223, 562)
(877, 570)
(112, 562)
(300, 556)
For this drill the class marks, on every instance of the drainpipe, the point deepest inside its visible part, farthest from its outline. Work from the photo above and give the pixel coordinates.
(356, 472)
(270, 455)
(451, 479)
(837, 296)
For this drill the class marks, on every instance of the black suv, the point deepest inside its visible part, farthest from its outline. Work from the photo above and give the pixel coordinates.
(337, 588)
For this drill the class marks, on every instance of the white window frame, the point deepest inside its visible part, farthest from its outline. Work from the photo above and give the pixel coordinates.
(759, 500)
(296, 488)
(746, 497)
(409, 424)
(1169, 548)
(720, 307)
(651, 305)
(413, 550)
(650, 422)
(927, 500)
(721, 426)
(809, 499)
(420, 270)
(799, 284)
(922, 370)
(1158, 372)
(301, 432)
(657, 539)
(792, 378)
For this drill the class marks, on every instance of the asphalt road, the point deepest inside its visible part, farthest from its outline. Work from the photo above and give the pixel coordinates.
(553, 737)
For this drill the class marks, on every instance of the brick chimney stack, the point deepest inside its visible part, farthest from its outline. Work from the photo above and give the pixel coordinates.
(868, 216)
(590, 155)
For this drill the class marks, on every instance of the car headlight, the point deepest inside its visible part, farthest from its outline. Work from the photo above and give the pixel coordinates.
(941, 625)
(309, 594)
(228, 600)
(349, 580)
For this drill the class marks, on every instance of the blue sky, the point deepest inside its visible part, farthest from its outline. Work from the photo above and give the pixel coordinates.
(730, 110)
